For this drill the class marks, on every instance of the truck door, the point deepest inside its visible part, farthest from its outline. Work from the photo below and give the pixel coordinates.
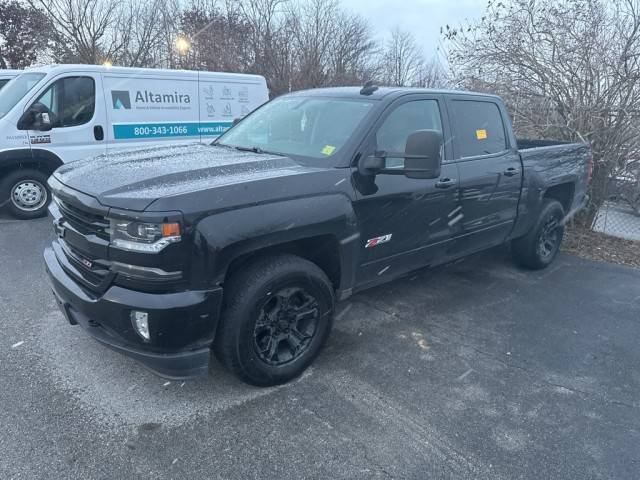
(404, 221)
(490, 173)
(76, 110)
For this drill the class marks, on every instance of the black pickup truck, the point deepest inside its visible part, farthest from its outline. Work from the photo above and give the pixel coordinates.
(243, 247)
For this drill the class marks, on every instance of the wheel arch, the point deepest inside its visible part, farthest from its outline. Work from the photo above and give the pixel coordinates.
(563, 193)
(38, 159)
(320, 229)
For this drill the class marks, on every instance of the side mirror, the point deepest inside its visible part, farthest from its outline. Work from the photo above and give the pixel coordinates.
(34, 120)
(43, 122)
(422, 158)
(422, 154)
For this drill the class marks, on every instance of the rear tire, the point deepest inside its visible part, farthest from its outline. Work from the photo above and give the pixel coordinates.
(277, 316)
(539, 247)
(26, 192)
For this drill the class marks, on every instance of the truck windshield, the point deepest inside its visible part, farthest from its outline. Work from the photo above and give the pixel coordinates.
(312, 127)
(16, 89)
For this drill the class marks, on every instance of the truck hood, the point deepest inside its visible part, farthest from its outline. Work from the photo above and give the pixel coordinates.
(133, 180)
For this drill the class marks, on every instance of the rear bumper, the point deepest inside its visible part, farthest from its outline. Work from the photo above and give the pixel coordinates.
(182, 324)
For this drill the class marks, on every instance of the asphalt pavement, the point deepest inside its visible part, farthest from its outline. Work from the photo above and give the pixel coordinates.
(473, 370)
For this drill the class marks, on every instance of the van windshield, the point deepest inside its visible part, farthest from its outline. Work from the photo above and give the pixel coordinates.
(314, 127)
(16, 89)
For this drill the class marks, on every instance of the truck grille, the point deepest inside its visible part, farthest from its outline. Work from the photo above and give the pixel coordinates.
(82, 246)
(85, 222)
(93, 272)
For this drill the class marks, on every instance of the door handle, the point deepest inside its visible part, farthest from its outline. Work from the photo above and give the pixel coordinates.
(511, 171)
(446, 182)
(98, 133)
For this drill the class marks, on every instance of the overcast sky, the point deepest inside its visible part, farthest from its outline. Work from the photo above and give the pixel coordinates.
(423, 18)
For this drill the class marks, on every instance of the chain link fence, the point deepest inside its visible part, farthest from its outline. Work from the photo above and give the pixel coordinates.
(619, 216)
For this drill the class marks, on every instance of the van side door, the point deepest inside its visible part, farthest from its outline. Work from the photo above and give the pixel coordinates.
(404, 221)
(147, 108)
(75, 106)
(490, 172)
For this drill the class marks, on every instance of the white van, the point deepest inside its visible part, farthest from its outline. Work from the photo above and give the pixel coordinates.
(6, 75)
(56, 114)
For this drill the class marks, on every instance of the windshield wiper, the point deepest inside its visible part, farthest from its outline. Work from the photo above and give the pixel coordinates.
(246, 149)
(250, 149)
(257, 150)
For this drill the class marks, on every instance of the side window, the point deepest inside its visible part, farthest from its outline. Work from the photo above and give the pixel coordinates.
(404, 120)
(69, 101)
(3, 82)
(479, 128)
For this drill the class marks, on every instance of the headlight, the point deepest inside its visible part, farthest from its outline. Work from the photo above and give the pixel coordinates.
(143, 237)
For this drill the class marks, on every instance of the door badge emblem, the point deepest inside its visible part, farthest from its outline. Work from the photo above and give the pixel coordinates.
(372, 242)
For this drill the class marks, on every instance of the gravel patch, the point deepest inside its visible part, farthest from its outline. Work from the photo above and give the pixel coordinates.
(598, 246)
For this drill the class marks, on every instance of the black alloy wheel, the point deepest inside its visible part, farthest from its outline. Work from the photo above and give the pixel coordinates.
(287, 323)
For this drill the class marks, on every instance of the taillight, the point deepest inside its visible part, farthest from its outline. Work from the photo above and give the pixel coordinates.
(589, 169)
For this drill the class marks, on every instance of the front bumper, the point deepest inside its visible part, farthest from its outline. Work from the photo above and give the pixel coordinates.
(182, 324)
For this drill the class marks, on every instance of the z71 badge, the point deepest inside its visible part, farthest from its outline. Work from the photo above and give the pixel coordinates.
(372, 242)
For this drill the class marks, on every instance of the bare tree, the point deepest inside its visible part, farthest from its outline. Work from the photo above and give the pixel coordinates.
(353, 52)
(313, 28)
(307, 44)
(569, 69)
(432, 75)
(402, 60)
(140, 29)
(83, 31)
(272, 50)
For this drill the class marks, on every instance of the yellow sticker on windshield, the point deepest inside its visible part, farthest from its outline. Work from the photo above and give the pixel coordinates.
(481, 134)
(328, 149)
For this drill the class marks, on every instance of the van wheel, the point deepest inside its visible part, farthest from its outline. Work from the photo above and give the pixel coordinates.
(538, 248)
(277, 316)
(26, 193)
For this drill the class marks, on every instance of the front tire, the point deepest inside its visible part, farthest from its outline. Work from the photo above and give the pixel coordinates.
(539, 247)
(277, 316)
(26, 192)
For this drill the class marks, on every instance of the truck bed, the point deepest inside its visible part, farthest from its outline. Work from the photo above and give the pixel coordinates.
(551, 165)
(528, 143)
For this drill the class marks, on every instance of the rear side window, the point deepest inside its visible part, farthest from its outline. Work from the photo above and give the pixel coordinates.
(3, 82)
(479, 128)
(69, 101)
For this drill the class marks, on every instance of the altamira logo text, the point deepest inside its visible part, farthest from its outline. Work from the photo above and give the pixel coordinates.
(146, 96)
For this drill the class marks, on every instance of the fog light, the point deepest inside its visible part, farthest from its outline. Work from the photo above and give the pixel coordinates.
(140, 322)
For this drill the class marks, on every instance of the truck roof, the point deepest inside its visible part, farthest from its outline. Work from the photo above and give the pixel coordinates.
(383, 92)
(131, 70)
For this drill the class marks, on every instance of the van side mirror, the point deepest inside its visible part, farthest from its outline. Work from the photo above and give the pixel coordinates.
(43, 122)
(422, 154)
(34, 120)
